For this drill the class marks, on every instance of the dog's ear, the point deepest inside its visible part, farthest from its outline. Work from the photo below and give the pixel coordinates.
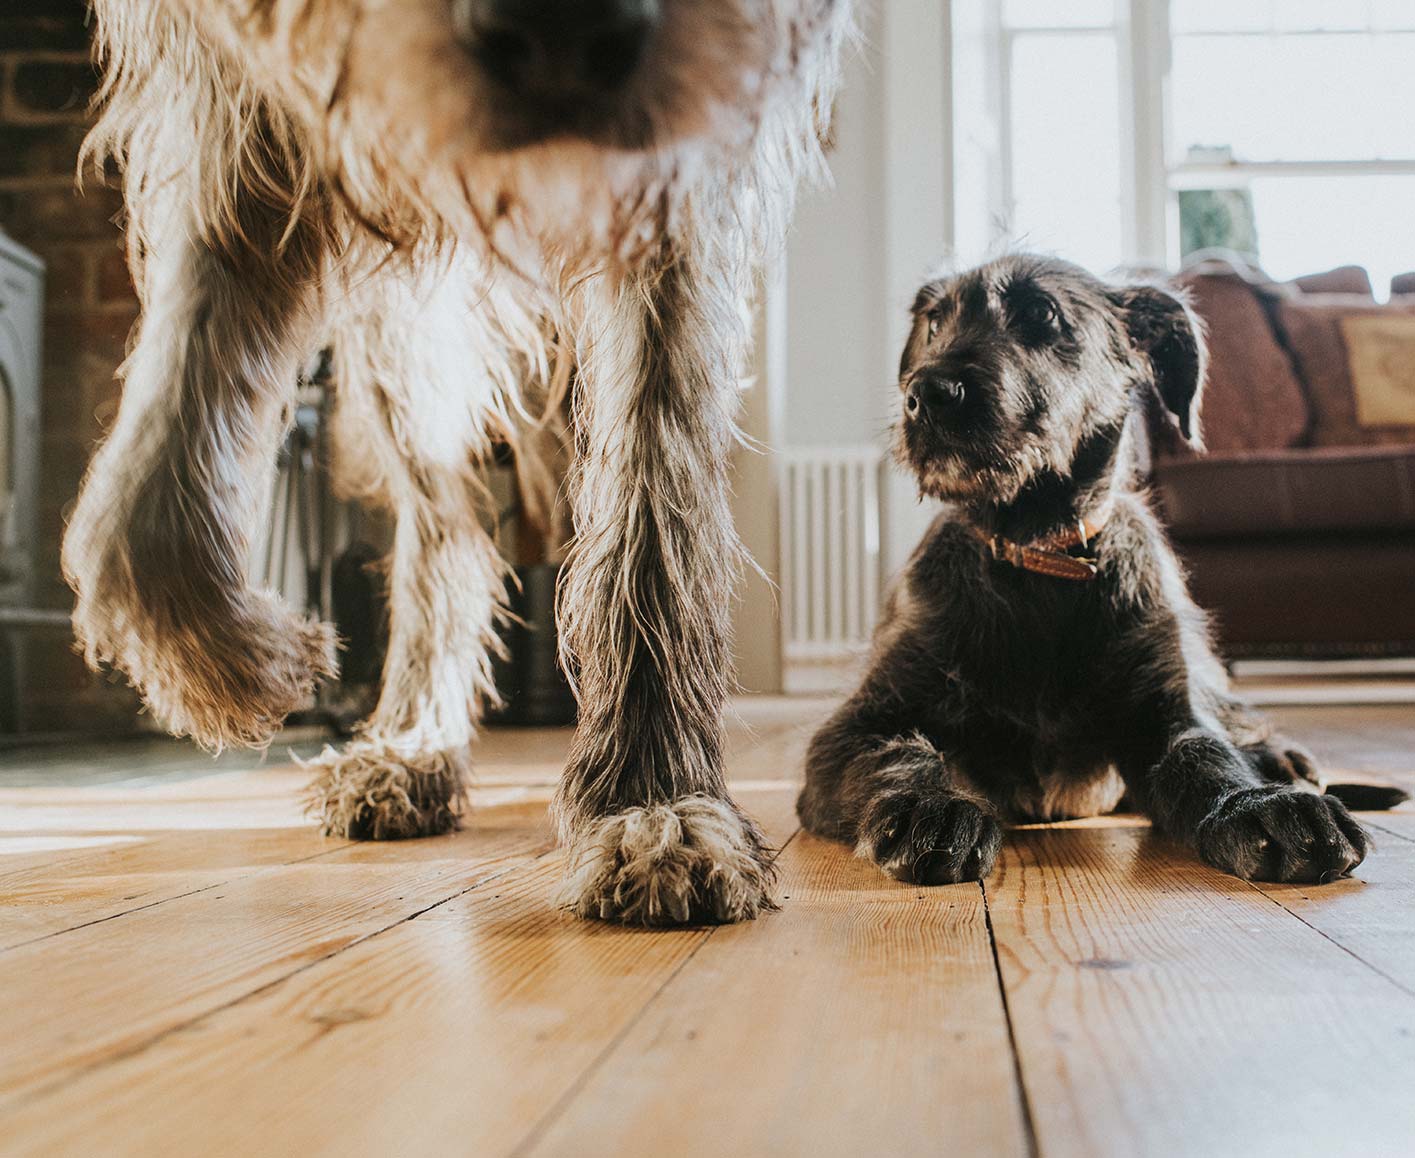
(1167, 332)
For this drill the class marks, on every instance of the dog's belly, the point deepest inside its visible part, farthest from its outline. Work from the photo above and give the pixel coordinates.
(1068, 795)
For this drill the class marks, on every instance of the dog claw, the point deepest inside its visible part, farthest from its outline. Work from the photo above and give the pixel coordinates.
(950, 839)
(1282, 834)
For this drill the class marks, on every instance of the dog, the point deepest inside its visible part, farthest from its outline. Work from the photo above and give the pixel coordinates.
(455, 196)
(1040, 657)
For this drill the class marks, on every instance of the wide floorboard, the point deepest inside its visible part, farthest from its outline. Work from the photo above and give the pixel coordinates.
(187, 967)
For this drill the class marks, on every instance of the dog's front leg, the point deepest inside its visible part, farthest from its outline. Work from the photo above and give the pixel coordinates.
(416, 400)
(653, 836)
(157, 547)
(896, 797)
(1205, 792)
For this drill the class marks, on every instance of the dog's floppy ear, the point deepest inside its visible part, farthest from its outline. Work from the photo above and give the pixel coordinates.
(1166, 331)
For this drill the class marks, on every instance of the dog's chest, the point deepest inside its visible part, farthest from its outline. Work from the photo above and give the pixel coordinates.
(1033, 669)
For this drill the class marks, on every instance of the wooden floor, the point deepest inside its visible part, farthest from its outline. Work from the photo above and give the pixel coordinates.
(186, 968)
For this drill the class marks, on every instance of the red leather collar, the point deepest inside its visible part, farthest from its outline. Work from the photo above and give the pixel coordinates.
(1048, 554)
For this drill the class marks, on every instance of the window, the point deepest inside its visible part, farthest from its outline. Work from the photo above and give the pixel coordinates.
(1129, 131)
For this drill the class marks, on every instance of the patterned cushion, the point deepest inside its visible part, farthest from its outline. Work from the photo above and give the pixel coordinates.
(1316, 328)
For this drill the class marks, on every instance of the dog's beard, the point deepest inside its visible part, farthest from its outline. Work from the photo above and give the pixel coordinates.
(969, 474)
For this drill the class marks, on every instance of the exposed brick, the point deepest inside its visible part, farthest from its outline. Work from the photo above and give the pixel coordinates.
(47, 25)
(50, 90)
(68, 279)
(92, 333)
(59, 213)
(114, 282)
(40, 150)
(45, 84)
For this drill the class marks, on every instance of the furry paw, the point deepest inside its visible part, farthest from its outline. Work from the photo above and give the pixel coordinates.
(1283, 761)
(227, 678)
(1282, 834)
(371, 791)
(931, 838)
(698, 860)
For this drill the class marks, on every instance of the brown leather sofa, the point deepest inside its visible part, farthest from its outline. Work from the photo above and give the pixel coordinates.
(1298, 525)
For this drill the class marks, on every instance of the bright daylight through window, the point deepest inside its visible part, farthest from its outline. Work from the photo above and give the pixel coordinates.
(1123, 131)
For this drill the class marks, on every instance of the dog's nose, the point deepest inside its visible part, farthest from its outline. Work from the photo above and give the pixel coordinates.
(560, 50)
(932, 396)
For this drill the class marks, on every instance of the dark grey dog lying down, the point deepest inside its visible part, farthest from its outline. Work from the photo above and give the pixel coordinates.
(1040, 656)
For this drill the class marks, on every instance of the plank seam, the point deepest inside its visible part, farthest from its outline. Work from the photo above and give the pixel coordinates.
(543, 1124)
(1381, 828)
(255, 871)
(180, 1027)
(1328, 937)
(1029, 1126)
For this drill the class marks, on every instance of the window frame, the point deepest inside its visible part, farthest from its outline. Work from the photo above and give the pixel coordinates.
(1150, 183)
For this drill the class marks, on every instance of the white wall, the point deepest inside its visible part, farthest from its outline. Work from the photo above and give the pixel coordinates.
(860, 250)
(836, 317)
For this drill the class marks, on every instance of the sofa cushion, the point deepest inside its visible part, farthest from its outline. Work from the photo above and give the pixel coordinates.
(1300, 491)
(1344, 279)
(1253, 399)
(1380, 353)
(1315, 328)
(1307, 595)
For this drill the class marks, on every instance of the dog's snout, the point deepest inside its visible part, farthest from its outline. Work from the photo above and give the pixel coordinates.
(560, 50)
(932, 396)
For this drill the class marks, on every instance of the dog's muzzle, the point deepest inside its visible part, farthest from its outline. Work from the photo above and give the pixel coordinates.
(933, 397)
(555, 55)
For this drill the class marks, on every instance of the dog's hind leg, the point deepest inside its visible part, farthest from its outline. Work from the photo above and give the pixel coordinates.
(654, 838)
(157, 547)
(415, 404)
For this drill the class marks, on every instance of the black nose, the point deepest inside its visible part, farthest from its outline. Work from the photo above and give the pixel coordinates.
(559, 50)
(932, 396)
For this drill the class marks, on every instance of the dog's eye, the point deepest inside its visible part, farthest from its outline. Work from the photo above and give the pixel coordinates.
(1037, 314)
(935, 316)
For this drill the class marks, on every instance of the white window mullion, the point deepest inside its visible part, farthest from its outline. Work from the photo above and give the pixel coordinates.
(1001, 94)
(1145, 67)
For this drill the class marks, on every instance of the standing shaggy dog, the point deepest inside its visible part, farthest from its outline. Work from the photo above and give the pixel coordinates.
(1040, 656)
(447, 191)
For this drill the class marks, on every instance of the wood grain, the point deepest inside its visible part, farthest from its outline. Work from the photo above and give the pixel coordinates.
(443, 1036)
(863, 1018)
(138, 871)
(94, 994)
(1371, 916)
(1162, 1008)
(214, 978)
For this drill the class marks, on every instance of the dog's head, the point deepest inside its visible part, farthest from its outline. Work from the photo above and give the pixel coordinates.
(1027, 367)
(423, 107)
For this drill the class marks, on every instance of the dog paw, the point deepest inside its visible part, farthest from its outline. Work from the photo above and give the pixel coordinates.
(1282, 834)
(695, 861)
(930, 838)
(1283, 761)
(224, 677)
(372, 791)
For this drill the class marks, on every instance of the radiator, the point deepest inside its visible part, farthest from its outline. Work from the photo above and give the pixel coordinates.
(829, 561)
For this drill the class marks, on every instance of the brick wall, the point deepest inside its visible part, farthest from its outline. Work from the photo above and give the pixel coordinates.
(45, 84)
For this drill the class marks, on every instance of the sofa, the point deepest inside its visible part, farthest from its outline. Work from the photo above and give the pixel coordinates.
(1297, 523)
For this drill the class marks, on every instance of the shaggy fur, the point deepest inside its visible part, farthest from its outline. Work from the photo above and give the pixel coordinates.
(697, 859)
(370, 791)
(377, 177)
(997, 694)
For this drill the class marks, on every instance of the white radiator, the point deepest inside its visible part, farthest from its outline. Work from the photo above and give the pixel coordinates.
(829, 562)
